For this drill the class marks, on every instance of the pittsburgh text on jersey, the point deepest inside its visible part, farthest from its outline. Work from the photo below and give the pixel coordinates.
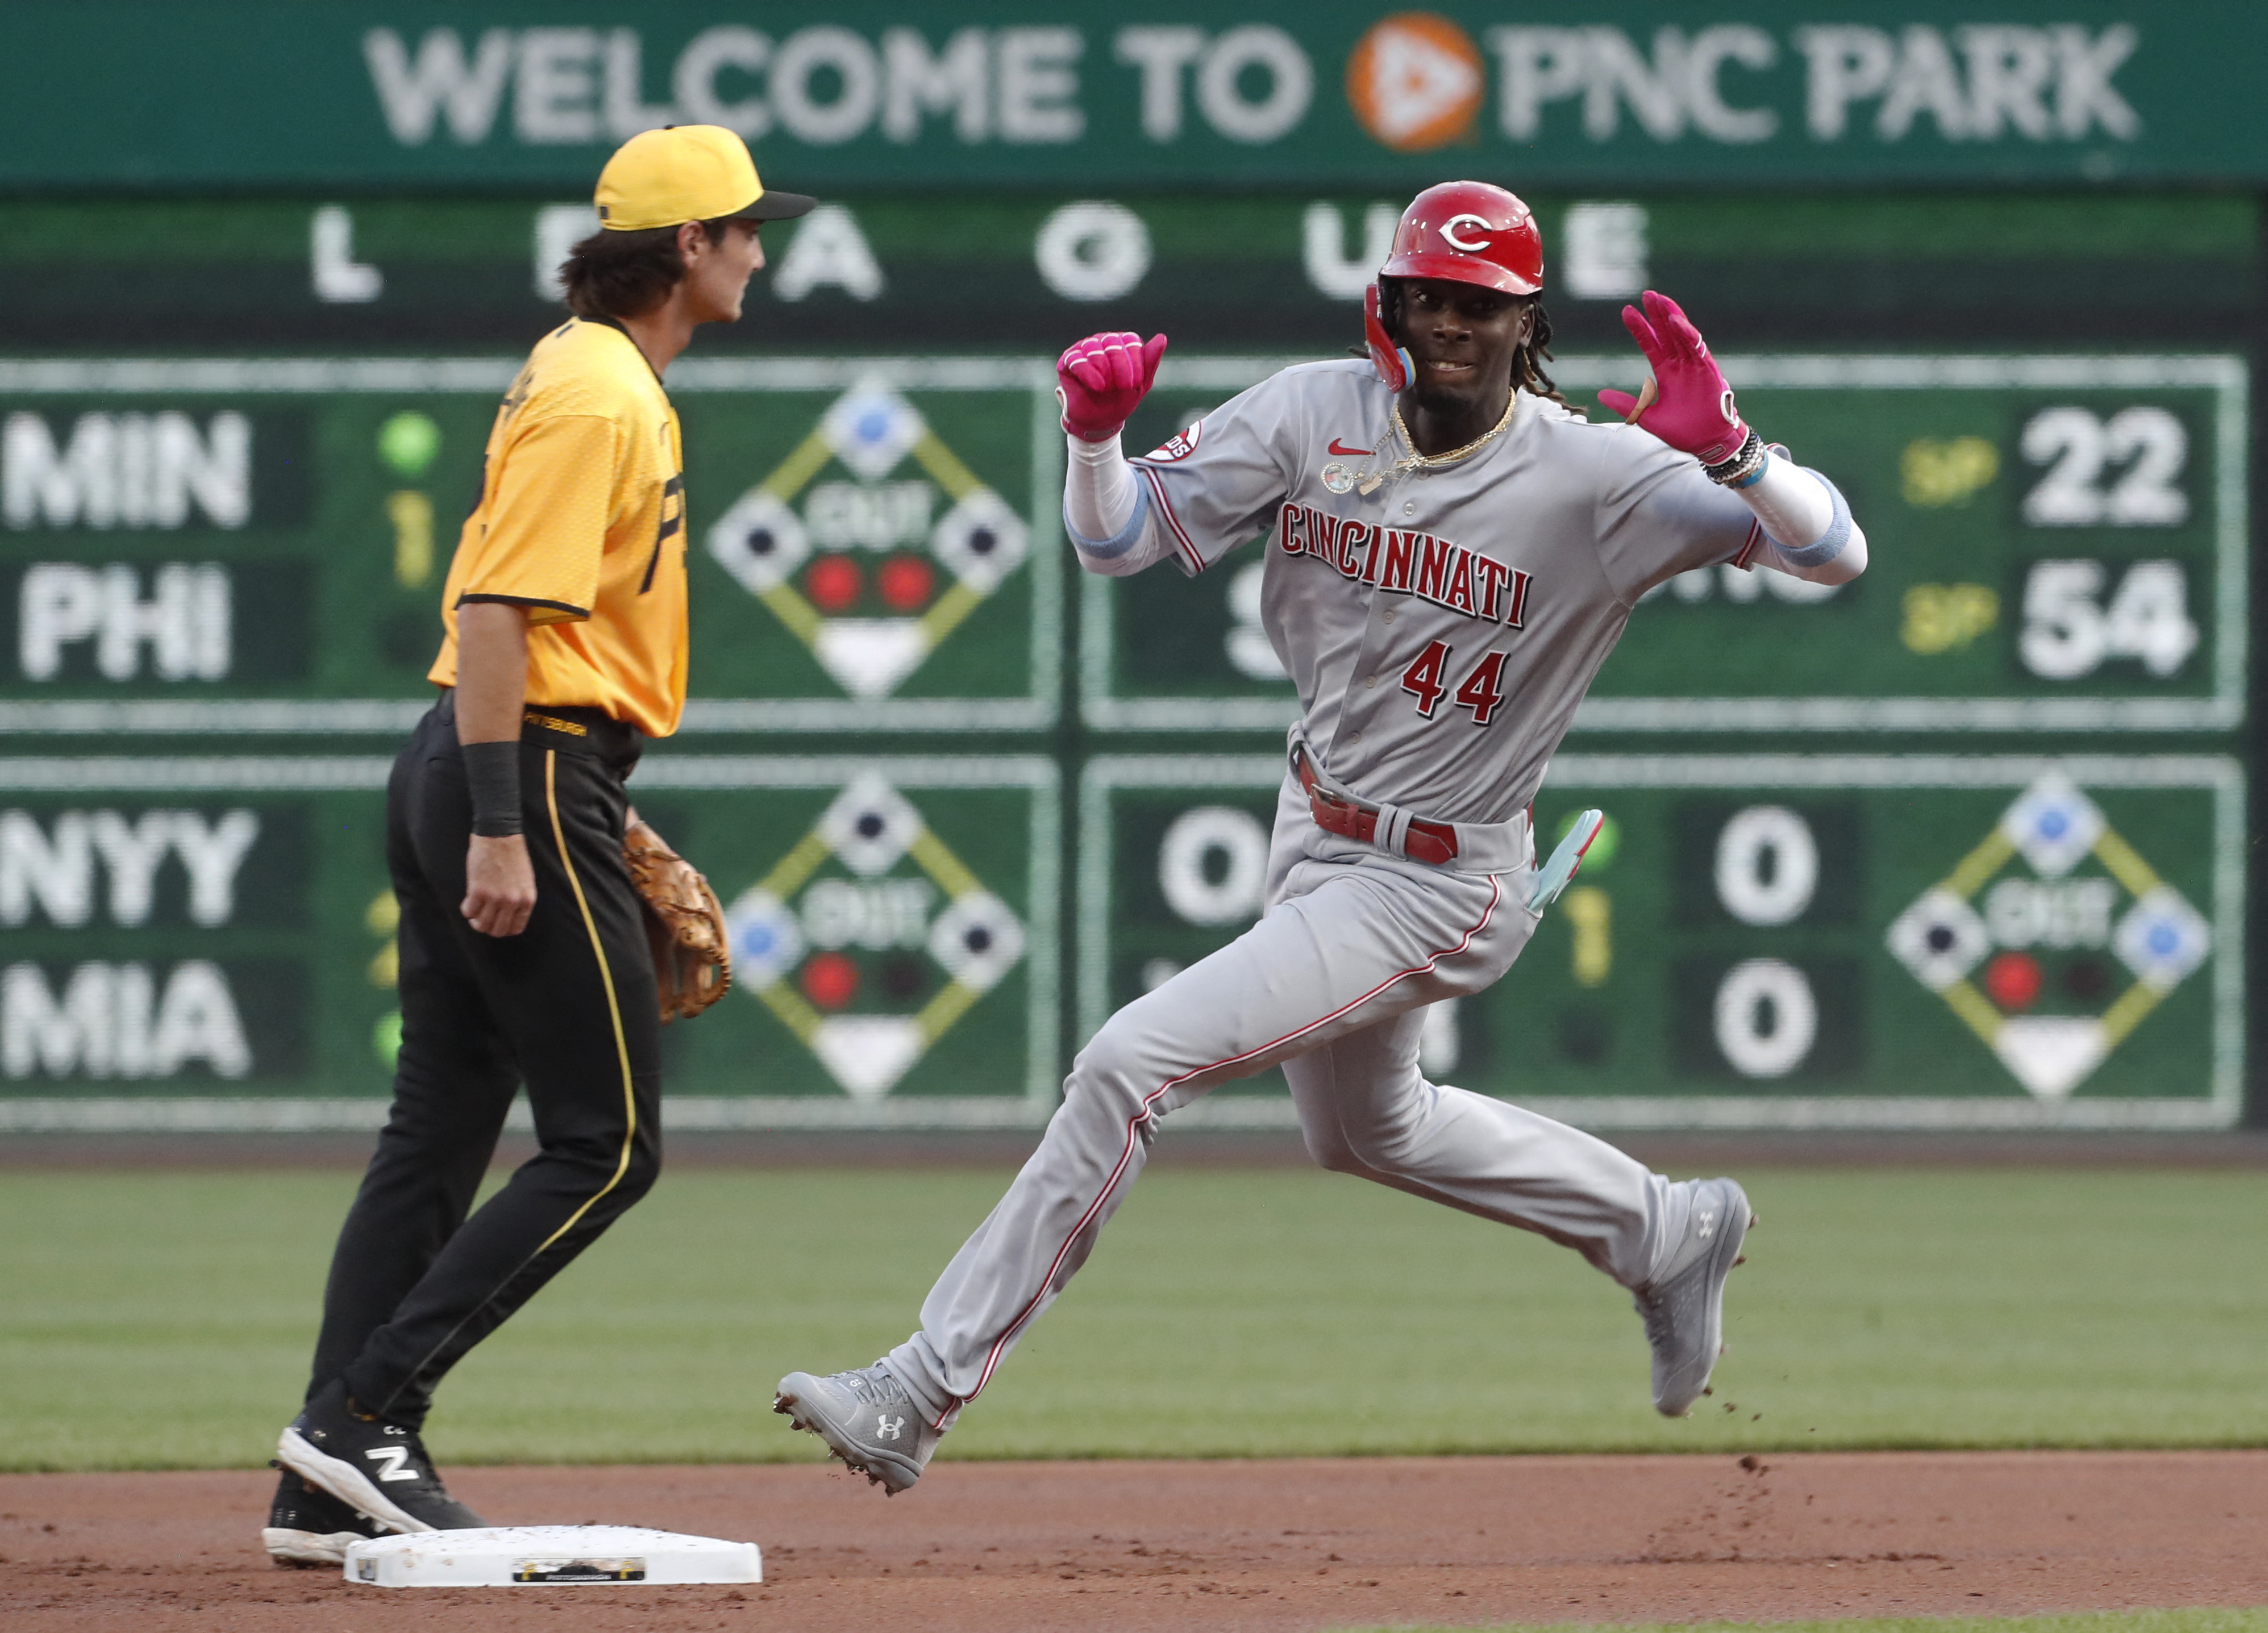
(1408, 562)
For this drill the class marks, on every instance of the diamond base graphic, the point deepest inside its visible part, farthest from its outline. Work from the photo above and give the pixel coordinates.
(764, 544)
(869, 831)
(2050, 829)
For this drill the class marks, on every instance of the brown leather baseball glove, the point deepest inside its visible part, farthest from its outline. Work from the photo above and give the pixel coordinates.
(684, 925)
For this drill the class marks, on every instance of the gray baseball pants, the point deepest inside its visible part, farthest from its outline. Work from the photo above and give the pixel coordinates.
(1330, 985)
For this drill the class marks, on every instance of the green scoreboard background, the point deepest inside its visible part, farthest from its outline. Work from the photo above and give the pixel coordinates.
(1950, 940)
(1961, 845)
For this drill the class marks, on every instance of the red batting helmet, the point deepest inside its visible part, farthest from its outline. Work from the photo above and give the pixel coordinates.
(1469, 232)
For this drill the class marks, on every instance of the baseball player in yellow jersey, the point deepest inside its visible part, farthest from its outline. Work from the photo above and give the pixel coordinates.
(524, 948)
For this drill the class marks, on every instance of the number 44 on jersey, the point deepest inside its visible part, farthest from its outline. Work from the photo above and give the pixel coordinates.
(1481, 690)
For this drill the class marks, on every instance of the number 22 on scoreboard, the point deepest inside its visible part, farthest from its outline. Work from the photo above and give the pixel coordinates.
(1480, 691)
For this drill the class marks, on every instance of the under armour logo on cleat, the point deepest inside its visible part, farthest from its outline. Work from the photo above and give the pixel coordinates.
(1708, 1223)
(888, 1428)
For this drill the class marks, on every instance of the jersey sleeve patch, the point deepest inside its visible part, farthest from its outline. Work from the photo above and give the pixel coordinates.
(1179, 446)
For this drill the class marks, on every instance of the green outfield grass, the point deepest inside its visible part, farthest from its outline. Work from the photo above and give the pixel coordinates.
(158, 1320)
(2197, 1620)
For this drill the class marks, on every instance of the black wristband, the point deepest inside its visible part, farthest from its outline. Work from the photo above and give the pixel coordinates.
(492, 773)
(1745, 462)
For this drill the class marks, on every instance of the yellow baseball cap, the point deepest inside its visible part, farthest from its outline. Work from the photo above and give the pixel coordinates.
(687, 172)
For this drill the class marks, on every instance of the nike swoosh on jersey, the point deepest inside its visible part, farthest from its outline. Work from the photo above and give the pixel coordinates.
(1336, 449)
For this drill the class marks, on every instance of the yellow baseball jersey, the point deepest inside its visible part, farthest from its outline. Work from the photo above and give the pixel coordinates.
(581, 520)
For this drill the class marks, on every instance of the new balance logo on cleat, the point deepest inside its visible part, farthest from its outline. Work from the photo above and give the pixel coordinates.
(373, 1468)
(393, 1463)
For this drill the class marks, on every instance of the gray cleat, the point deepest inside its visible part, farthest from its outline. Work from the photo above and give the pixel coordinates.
(867, 1419)
(1685, 1305)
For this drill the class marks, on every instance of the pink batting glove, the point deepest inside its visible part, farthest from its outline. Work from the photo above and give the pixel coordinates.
(1687, 403)
(1103, 380)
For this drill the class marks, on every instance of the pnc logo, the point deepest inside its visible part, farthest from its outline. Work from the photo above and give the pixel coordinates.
(1415, 81)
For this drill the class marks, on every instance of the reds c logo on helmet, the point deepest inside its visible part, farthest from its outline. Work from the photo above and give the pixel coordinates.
(1469, 232)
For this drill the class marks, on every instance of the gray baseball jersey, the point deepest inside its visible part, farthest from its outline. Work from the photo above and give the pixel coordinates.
(1442, 625)
(1441, 628)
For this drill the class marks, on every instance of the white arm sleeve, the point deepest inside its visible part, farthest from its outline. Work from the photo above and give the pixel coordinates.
(1808, 531)
(1107, 512)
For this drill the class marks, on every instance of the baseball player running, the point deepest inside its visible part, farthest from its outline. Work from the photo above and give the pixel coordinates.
(1452, 552)
(543, 926)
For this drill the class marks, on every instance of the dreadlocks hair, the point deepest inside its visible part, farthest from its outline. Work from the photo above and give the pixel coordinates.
(1528, 362)
(627, 274)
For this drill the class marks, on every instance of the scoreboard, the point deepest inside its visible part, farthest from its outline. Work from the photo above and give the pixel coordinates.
(1961, 845)
(2060, 545)
(2057, 544)
(1856, 941)
(259, 545)
(207, 942)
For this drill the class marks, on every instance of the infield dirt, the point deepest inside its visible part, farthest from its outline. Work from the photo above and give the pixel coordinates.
(1008, 1547)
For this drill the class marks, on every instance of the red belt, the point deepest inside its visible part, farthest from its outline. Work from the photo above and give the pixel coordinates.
(1434, 843)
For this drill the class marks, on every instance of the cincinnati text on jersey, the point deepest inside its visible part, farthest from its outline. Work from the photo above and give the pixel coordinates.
(1408, 562)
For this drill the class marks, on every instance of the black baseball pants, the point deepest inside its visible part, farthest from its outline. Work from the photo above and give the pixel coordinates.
(568, 1007)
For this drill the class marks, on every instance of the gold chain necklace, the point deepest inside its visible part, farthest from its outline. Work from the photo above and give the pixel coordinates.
(1417, 461)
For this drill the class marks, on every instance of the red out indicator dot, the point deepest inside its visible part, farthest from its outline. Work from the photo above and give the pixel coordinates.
(829, 980)
(833, 582)
(2013, 980)
(905, 582)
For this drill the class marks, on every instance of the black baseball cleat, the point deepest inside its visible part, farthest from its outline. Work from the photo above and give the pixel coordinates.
(310, 1527)
(374, 1466)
